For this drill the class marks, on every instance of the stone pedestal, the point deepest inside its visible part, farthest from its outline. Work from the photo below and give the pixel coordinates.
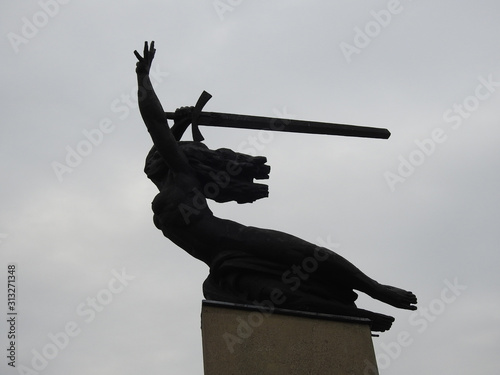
(246, 340)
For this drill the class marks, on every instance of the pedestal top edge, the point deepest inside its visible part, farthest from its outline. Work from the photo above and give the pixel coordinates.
(274, 310)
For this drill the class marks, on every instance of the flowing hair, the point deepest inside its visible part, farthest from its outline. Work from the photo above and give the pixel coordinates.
(225, 175)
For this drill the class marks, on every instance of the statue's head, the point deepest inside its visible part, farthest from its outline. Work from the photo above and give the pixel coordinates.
(156, 169)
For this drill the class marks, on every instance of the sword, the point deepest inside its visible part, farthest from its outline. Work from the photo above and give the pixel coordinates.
(228, 120)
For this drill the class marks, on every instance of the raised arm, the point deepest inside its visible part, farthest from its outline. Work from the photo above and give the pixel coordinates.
(153, 115)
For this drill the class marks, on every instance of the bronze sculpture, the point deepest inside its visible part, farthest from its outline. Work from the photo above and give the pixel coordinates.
(247, 264)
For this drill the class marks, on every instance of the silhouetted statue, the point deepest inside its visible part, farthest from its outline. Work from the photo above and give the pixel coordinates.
(248, 265)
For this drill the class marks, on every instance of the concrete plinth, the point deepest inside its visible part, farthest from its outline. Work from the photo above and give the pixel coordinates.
(243, 340)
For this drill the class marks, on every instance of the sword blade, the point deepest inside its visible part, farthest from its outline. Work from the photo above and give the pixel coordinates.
(228, 120)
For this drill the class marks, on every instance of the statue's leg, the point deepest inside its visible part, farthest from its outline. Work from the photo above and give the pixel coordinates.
(332, 268)
(289, 254)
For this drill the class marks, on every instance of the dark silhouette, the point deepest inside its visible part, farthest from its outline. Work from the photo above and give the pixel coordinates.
(247, 265)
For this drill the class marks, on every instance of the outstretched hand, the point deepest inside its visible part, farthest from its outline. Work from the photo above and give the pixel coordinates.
(144, 63)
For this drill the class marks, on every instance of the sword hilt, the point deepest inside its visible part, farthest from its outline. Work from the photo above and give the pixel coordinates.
(202, 100)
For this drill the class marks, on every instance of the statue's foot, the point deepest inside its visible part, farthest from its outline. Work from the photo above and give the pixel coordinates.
(396, 297)
(380, 322)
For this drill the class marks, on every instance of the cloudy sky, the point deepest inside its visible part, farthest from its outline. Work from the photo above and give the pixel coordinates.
(420, 210)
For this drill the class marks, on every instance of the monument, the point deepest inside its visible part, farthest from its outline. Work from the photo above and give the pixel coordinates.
(249, 266)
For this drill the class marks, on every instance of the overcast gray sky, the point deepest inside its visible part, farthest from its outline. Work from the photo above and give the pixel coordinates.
(419, 210)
